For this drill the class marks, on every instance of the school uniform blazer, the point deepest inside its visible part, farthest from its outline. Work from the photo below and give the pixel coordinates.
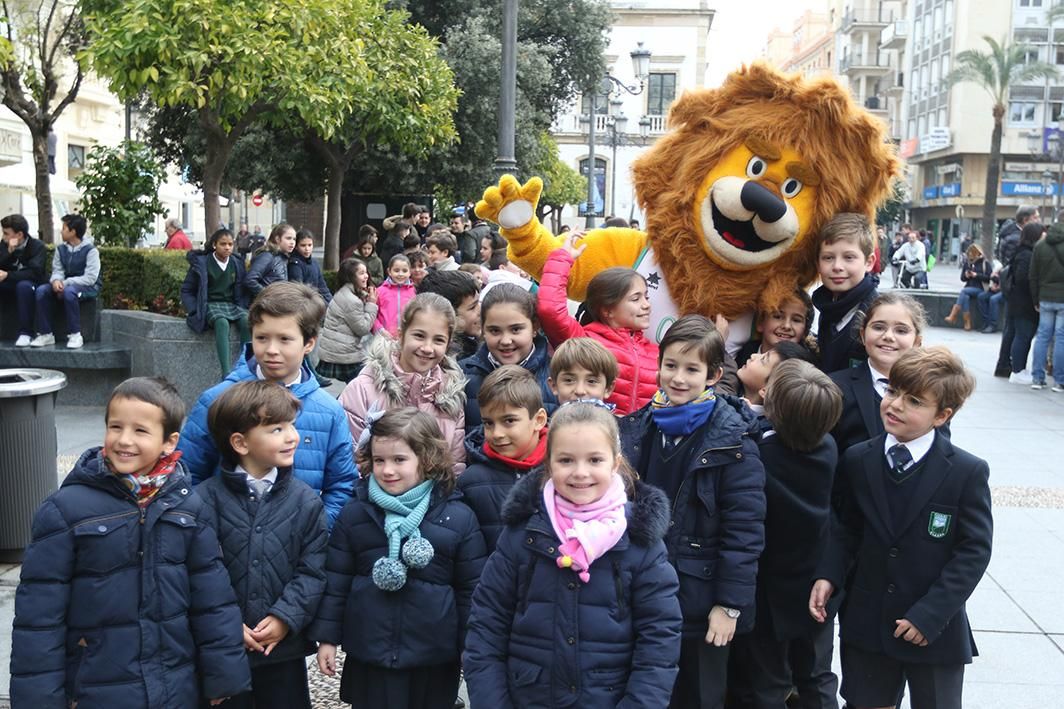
(924, 569)
(860, 418)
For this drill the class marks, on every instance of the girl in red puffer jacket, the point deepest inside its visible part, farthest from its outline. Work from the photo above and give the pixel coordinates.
(616, 314)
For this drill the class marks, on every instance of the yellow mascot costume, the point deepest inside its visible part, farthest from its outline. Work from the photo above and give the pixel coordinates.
(734, 194)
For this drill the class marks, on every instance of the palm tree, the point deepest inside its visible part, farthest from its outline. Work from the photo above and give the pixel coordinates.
(1004, 66)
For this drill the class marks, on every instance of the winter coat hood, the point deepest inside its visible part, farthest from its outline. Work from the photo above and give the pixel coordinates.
(648, 510)
(446, 392)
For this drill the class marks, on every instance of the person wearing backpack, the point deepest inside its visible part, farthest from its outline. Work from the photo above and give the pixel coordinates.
(1016, 282)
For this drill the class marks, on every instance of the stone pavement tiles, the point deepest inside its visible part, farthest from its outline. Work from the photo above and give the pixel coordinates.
(1016, 610)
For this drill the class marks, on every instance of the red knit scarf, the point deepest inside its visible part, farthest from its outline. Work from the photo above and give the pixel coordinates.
(532, 460)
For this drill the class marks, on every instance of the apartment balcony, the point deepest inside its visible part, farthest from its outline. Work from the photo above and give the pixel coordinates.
(877, 106)
(571, 123)
(896, 86)
(863, 20)
(858, 64)
(894, 35)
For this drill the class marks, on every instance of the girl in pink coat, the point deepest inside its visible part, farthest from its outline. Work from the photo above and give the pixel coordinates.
(413, 371)
(617, 312)
(393, 295)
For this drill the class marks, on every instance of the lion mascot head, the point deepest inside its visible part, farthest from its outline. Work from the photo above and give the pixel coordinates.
(738, 189)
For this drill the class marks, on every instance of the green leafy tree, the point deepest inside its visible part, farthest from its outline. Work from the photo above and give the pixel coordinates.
(231, 61)
(37, 54)
(408, 105)
(562, 184)
(120, 193)
(1004, 65)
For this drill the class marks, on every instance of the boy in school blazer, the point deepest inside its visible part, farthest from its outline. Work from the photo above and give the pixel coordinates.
(913, 541)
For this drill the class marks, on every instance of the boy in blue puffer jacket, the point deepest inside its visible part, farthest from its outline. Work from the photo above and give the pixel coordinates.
(285, 320)
(696, 445)
(123, 600)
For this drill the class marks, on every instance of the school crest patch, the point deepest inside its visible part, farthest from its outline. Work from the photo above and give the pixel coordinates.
(938, 524)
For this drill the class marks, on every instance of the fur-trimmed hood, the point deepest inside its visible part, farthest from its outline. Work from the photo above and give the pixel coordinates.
(444, 385)
(648, 511)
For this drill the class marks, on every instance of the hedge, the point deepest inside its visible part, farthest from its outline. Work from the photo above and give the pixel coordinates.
(147, 279)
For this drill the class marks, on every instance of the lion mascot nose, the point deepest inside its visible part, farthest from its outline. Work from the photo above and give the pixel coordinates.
(761, 202)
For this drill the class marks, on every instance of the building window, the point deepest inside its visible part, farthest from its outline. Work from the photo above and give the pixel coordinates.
(1030, 56)
(599, 185)
(912, 129)
(1030, 3)
(1022, 112)
(661, 92)
(1055, 109)
(75, 160)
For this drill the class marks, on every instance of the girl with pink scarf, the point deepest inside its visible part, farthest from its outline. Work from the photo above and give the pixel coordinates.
(595, 619)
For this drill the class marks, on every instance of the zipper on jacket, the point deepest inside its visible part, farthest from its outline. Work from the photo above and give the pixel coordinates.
(634, 399)
(619, 585)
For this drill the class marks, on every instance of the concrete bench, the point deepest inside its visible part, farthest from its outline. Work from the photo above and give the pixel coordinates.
(938, 305)
(92, 371)
(164, 346)
(90, 320)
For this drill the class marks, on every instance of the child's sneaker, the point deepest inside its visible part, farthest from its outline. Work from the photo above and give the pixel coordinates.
(1038, 385)
(1023, 377)
(75, 341)
(43, 340)
(22, 341)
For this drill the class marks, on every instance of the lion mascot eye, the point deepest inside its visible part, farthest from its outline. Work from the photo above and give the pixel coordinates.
(791, 188)
(756, 167)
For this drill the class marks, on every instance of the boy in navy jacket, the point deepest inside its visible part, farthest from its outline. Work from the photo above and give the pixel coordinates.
(787, 648)
(511, 443)
(913, 542)
(696, 446)
(123, 600)
(273, 534)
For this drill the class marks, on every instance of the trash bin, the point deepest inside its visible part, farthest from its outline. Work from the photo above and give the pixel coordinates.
(27, 452)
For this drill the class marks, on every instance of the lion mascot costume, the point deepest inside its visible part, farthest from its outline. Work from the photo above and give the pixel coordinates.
(734, 195)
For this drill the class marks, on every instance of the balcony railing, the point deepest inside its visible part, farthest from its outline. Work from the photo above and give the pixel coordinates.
(858, 61)
(576, 123)
(864, 17)
(894, 35)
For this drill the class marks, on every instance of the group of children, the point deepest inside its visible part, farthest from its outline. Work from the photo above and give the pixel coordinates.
(576, 518)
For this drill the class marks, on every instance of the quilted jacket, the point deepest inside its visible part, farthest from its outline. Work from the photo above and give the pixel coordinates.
(274, 550)
(637, 357)
(424, 622)
(478, 366)
(266, 268)
(120, 606)
(324, 457)
(539, 637)
(347, 323)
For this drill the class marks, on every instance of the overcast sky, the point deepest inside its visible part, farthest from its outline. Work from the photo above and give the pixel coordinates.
(740, 28)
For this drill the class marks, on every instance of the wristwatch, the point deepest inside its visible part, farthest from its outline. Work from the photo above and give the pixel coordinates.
(732, 613)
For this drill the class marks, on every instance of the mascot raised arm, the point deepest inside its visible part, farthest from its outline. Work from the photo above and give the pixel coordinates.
(734, 194)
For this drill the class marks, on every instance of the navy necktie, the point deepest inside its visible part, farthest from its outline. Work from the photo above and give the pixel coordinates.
(901, 461)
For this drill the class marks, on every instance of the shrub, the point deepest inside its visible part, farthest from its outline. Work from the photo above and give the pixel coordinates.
(120, 192)
(140, 279)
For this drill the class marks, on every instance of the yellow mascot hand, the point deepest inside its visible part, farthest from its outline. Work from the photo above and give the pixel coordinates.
(510, 205)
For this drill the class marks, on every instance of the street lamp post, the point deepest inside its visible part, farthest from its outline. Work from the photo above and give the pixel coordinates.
(611, 85)
(506, 161)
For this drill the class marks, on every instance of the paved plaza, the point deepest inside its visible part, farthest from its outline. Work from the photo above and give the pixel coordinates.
(1016, 610)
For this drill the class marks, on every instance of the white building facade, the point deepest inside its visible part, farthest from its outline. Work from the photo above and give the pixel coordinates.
(676, 32)
(96, 118)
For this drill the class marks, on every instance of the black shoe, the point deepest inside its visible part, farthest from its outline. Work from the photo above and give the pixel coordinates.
(1005, 372)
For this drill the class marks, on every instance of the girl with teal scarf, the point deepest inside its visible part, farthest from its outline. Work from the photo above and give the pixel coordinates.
(404, 558)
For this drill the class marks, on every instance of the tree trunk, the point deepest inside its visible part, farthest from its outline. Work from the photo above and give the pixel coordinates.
(993, 173)
(43, 188)
(334, 212)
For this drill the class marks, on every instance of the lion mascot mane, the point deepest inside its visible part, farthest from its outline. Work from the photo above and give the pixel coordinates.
(735, 195)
